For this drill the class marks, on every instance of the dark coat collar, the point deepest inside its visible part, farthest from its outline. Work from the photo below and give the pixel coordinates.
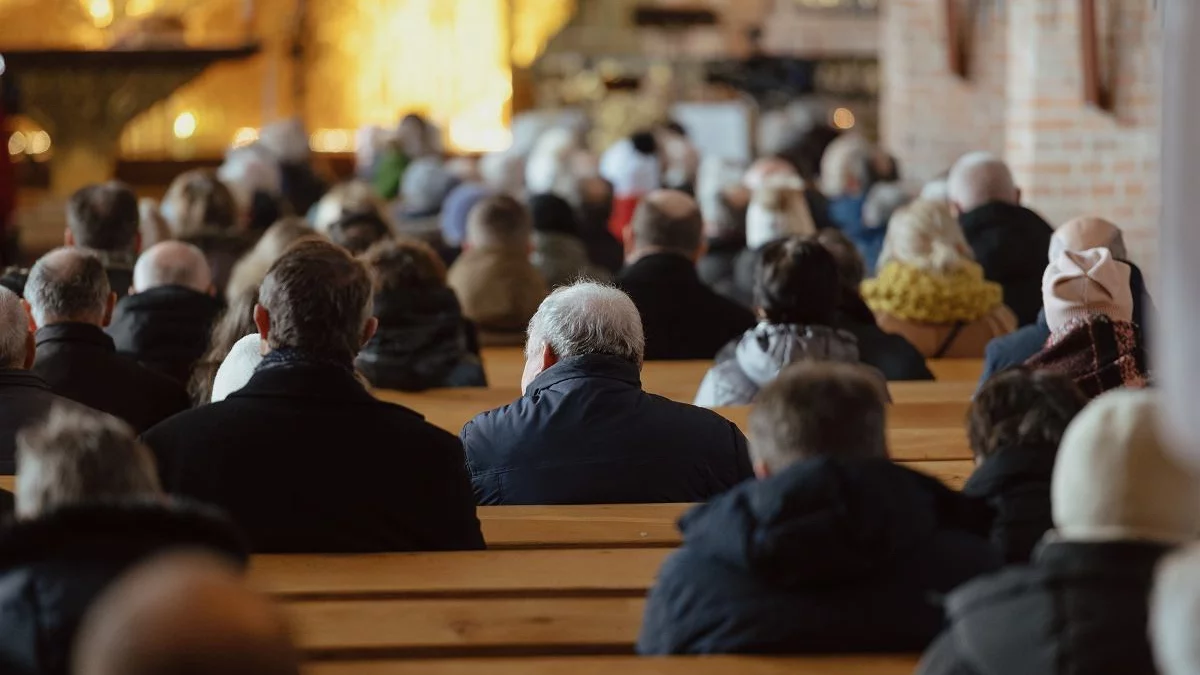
(664, 268)
(12, 377)
(1000, 214)
(78, 333)
(113, 528)
(170, 298)
(588, 366)
(1009, 467)
(1109, 558)
(311, 382)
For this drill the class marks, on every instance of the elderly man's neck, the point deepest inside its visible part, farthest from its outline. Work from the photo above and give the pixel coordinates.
(647, 251)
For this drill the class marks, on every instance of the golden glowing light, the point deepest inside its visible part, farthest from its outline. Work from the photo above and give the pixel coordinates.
(17, 143)
(101, 12)
(332, 140)
(185, 126)
(39, 143)
(843, 118)
(244, 136)
(136, 8)
(534, 23)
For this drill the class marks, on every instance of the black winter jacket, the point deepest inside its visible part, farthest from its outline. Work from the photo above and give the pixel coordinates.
(828, 556)
(25, 399)
(1011, 243)
(53, 567)
(1016, 484)
(586, 433)
(165, 329)
(1080, 608)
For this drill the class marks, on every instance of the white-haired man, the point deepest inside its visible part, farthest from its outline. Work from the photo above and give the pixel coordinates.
(89, 507)
(25, 398)
(1006, 237)
(584, 432)
(165, 321)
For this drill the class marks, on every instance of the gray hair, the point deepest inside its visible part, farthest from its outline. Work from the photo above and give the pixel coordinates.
(979, 178)
(67, 284)
(78, 455)
(172, 263)
(588, 318)
(14, 330)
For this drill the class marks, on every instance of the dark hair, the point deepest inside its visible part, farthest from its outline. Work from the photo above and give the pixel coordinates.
(405, 264)
(1022, 408)
(358, 231)
(819, 408)
(319, 298)
(644, 142)
(236, 323)
(104, 217)
(551, 213)
(675, 127)
(796, 282)
(653, 227)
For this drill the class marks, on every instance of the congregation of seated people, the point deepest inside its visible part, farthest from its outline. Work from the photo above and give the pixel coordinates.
(185, 384)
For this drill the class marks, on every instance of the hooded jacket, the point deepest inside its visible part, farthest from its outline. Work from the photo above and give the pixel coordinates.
(757, 358)
(165, 329)
(1015, 482)
(828, 556)
(421, 343)
(1008, 241)
(1079, 608)
(53, 567)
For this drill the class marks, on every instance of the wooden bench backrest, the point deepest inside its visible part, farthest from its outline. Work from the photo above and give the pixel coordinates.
(629, 665)
(592, 526)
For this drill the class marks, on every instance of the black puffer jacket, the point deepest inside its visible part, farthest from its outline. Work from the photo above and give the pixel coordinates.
(1016, 483)
(51, 569)
(1011, 243)
(165, 329)
(828, 556)
(1080, 608)
(422, 343)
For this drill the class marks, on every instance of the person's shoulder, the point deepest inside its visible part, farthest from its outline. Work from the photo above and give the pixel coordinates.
(998, 592)
(691, 418)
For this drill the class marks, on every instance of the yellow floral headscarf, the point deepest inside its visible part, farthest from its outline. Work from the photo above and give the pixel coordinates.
(915, 295)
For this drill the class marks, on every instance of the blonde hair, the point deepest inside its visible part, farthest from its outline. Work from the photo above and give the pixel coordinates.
(927, 236)
(345, 198)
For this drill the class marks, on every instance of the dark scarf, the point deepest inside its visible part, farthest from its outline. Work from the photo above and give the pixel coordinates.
(290, 357)
(1098, 353)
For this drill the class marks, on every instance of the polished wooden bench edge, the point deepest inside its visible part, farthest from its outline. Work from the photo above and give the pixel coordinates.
(631, 665)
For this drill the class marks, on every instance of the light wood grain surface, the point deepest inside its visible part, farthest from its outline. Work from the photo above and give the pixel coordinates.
(591, 526)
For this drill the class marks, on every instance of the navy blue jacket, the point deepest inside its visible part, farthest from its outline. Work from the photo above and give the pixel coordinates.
(828, 556)
(586, 433)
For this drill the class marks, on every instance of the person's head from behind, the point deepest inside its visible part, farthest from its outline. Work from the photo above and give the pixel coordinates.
(1086, 233)
(18, 347)
(78, 456)
(926, 236)
(845, 166)
(250, 270)
(173, 263)
(580, 320)
(796, 281)
(500, 223)
(1115, 479)
(357, 232)
(1022, 408)
(851, 267)
(344, 199)
(183, 613)
(198, 202)
(316, 300)
(104, 217)
(778, 209)
(69, 285)
(404, 266)
(1175, 613)
(980, 178)
(665, 221)
(1081, 284)
(883, 200)
(817, 409)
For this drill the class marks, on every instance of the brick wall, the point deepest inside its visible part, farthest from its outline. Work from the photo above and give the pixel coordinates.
(1024, 99)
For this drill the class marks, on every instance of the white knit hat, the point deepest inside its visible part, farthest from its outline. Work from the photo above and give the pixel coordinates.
(1078, 284)
(1114, 479)
(237, 368)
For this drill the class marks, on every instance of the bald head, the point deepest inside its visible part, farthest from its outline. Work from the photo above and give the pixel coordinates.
(69, 285)
(666, 221)
(172, 263)
(183, 614)
(980, 178)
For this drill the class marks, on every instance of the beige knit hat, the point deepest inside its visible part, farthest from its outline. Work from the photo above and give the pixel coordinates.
(1088, 232)
(1114, 479)
(1081, 283)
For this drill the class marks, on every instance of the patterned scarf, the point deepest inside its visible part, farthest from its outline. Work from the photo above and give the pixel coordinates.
(911, 294)
(1098, 353)
(286, 357)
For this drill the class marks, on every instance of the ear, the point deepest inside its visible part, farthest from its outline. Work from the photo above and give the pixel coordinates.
(262, 320)
(212, 290)
(29, 312)
(137, 243)
(68, 238)
(549, 358)
(369, 330)
(108, 310)
(627, 237)
(1017, 194)
(761, 470)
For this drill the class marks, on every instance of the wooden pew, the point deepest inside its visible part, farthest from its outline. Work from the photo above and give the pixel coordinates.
(591, 526)
(431, 628)
(8, 483)
(629, 665)
(602, 573)
(957, 370)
